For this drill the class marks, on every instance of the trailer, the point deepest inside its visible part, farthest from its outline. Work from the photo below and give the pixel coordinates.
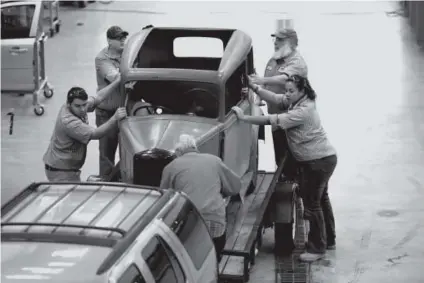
(247, 222)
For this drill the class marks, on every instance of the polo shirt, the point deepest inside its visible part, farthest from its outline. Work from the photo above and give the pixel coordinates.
(68, 144)
(203, 177)
(107, 65)
(306, 137)
(294, 64)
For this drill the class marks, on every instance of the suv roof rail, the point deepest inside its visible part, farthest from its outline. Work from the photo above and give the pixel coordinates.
(123, 244)
(59, 225)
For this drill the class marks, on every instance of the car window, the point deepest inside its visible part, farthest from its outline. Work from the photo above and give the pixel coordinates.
(131, 275)
(193, 233)
(233, 87)
(16, 21)
(162, 262)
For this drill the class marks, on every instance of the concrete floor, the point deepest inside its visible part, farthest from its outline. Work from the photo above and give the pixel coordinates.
(369, 76)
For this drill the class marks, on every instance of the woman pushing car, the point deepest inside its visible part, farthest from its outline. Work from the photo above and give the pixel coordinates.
(316, 156)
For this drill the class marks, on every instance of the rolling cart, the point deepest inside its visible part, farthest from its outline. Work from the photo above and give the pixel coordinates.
(41, 82)
(53, 16)
(23, 62)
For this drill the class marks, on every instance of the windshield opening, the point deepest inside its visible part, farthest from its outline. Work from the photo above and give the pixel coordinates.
(174, 97)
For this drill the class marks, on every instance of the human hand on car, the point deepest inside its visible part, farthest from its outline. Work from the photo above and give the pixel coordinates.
(120, 114)
(255, 80)
(239, 112)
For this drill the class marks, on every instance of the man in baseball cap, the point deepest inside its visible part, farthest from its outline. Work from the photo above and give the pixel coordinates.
(115, 32)
(107, 71)
(284, 63)
(283, 33)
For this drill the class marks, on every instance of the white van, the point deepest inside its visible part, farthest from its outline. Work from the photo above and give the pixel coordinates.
(104, 232)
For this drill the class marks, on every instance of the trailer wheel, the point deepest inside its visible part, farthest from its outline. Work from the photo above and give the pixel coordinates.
(39, 110)
(82, 4)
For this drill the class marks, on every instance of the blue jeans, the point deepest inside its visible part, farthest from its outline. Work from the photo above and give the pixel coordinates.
(315, 175)
(107, 145)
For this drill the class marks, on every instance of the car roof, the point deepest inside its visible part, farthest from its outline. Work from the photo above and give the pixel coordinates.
(237, 45)
(110, 215)
(51, 262)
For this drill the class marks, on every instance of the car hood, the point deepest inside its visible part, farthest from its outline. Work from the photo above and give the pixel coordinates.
(164, 131)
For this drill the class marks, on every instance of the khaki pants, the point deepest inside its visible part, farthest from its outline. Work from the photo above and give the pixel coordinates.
(63, 176)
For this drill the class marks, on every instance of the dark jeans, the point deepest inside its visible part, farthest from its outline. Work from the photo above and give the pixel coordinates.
(219, 243)
(280, 150)
(315, 175)
(107, 145)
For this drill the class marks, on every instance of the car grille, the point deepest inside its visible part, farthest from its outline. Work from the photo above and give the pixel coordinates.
(149, 164)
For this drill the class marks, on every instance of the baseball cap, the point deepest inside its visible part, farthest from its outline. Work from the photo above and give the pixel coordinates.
(115, 32)
(285, 33)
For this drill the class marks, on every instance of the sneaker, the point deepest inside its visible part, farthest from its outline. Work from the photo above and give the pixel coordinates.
(309, 257)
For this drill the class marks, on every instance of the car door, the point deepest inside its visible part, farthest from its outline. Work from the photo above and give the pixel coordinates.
(20, 27)
(237, 135)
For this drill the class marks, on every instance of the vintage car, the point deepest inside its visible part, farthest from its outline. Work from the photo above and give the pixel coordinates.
(170, 94)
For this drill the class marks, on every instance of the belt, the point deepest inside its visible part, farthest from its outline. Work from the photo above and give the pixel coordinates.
(48, 167)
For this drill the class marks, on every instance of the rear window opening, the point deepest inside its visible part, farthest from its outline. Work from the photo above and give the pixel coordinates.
(208, 47)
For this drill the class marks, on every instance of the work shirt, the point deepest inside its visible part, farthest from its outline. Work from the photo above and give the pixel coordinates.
(306, 137)
(294, 64)
(107, 66)
(203, 177)
(68, 144)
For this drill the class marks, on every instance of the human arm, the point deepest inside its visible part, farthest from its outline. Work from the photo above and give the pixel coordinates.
(165, 181)
(255, 120)
(230, 182)
(102, 94)
(269, 96)
(106, 69)
(104, 129)
(290, 119)
(295, 66)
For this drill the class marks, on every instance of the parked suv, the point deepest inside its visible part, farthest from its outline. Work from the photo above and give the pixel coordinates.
(104, 232)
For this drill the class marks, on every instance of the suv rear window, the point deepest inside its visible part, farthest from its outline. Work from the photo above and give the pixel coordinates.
(162, 262)
(132, 275)
(190, 228)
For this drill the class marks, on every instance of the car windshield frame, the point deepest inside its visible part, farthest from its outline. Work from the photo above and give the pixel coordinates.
(183, 97)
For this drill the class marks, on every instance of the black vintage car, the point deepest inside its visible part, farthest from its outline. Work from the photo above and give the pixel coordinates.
(169, 95)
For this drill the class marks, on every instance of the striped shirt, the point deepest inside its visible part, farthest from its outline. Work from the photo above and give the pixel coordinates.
(216, 229)
(294, 64)
(68, 144)
(306, 137)
(107, 66)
